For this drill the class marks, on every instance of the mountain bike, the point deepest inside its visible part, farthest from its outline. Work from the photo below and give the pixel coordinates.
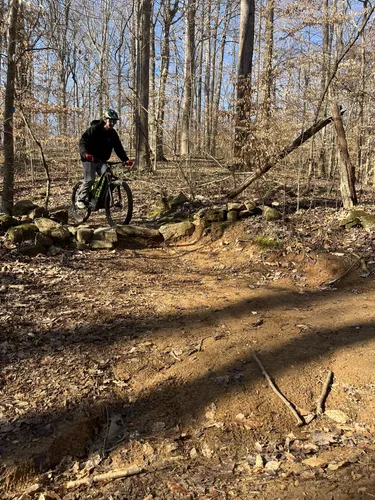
(108, 192)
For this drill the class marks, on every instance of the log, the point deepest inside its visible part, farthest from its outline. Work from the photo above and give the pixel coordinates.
(301, 139)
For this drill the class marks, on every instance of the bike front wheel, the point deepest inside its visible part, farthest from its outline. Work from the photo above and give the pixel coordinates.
(119, 203)
(80, 214)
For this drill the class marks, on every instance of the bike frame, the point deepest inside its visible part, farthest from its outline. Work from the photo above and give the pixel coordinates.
(101, 185)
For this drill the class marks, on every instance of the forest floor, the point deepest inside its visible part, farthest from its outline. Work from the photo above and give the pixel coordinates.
(143, 360)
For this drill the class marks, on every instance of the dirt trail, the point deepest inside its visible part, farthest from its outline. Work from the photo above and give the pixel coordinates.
(145, 357)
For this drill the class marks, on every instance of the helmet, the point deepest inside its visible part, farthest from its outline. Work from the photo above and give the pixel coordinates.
(110, 114)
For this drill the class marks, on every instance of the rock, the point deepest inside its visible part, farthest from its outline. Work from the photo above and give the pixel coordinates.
(52, 229)
(53, 250)
(175, 201)
(101, 245)
(217, 230)
(43, 240)
(23, 232)
(106, 233)
(161, 206)
(178, 230)
(353, 219)
(73, 230)
(38, 212)
(368, 222)
(23, 207)
(135, 231)
(84, 234)
(82, 246)
(244, 214)
(60, 216)
(215, 215)
(235, 206)
(24, 219)
(199, 222)
(6, 221)
(32, 250)
(232, 215)
(250, 205)
(271, 214)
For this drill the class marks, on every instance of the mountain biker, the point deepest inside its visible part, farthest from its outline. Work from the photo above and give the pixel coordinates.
(95, 147)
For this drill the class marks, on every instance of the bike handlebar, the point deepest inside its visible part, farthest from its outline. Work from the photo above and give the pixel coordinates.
(110, 163)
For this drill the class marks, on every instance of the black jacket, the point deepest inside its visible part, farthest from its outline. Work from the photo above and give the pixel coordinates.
(100, 143)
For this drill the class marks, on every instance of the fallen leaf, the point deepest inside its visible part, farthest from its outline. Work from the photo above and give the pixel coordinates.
(315, 462)
(322, 438)
(258, 462)
(210, 411)
(337, 465)
(178, 488)
(272, 465)
(337, 415)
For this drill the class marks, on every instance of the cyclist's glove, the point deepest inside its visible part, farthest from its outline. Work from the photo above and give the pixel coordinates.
(89, 157)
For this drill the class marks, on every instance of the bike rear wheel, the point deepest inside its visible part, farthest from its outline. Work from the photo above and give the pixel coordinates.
(119, 203)
(80, 214)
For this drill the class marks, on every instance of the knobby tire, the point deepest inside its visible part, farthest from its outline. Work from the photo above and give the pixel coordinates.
(119, 192)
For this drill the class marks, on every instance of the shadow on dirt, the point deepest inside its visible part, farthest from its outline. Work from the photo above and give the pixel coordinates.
(172, 403)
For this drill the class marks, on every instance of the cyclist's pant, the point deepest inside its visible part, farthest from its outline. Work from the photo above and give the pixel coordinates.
(90, 169)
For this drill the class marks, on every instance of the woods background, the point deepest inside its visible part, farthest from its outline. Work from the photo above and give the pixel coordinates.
(232, 82)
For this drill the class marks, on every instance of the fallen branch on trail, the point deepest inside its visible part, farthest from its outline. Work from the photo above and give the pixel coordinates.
(336, 280)
(278, 393)
(302, 138)
(108, 476)
(325, 389)
(133, 470)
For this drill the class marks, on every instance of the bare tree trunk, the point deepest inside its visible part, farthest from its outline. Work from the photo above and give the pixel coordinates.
(45, 164)
(207, 73)
(143, 87)
(362, 99)
(152, 91)
(8, 178)
(168, 15)
(199, 131)
(267, 83)
(219, 79)
(188, 77)
(326, 57)
(245, 63)
(347, 177)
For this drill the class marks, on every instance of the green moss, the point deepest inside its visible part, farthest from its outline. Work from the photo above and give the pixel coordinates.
(266, 242)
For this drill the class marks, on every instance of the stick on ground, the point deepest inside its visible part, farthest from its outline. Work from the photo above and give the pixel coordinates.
(278, 393)
(324, 394)
(108, 476)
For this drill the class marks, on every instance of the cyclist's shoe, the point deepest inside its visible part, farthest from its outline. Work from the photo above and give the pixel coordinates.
(81, 205)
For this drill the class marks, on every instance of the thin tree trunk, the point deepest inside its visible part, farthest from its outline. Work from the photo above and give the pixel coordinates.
(169, 14)
(245, 63)
(188, 77)
(8, 179)
(268, 59)
(143, 87)
(347, 177)
(208, 76)
(219, 79)
(362, 99)
(152, 91)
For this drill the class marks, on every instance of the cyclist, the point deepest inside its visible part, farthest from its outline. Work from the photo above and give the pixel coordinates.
(95, 147)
